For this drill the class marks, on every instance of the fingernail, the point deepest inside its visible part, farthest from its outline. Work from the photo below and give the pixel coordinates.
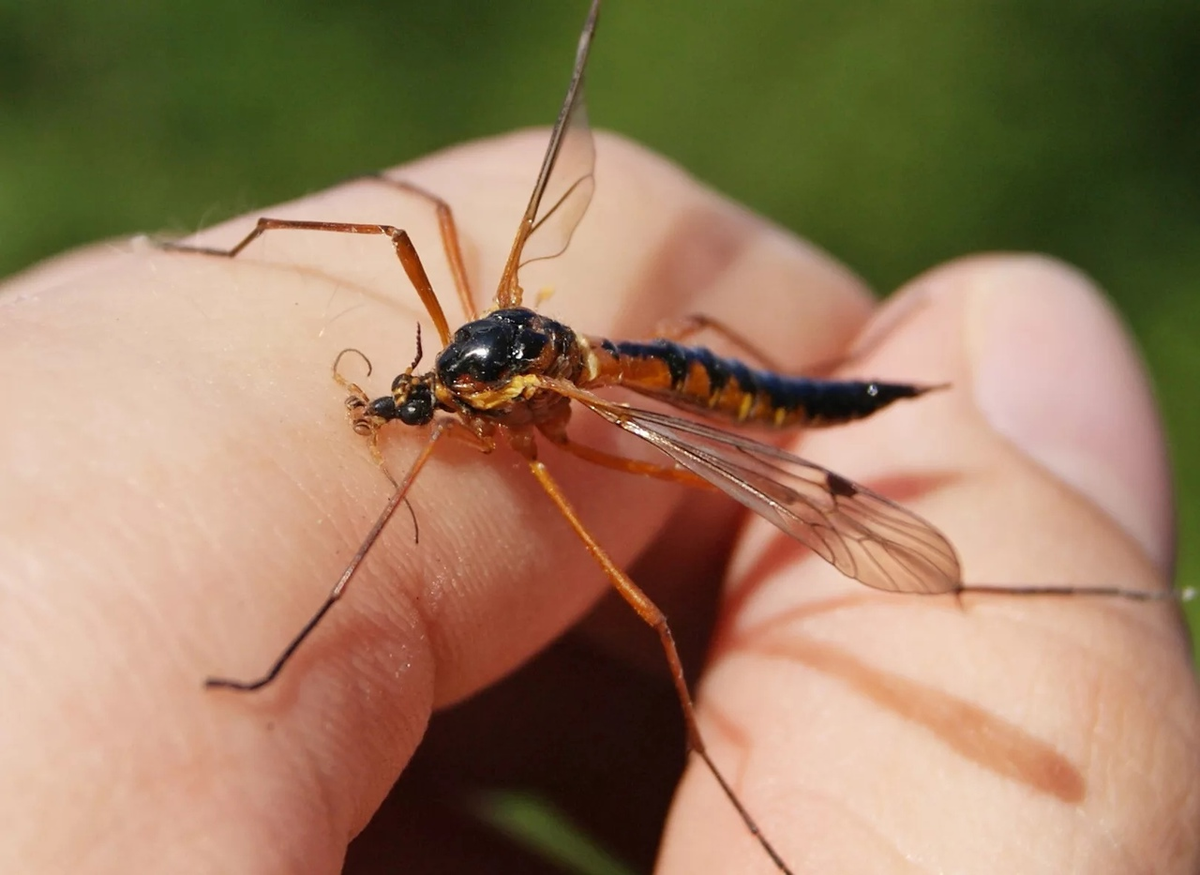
(1057, 375)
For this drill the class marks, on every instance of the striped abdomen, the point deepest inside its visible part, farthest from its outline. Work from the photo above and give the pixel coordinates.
(698, 379)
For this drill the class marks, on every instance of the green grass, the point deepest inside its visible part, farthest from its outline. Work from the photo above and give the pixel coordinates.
(539, 825)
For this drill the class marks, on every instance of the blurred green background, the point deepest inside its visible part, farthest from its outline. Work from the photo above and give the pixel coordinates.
(896, 135)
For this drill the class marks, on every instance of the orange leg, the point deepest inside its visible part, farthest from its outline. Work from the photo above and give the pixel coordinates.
(669, 473)
(398, 497)
(653, 617)
(450, 241)
(867, 343)
(684, 327)
(405, 251)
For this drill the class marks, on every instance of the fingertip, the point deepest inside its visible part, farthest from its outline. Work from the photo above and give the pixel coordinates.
(1014, 694)
(1056, 374)
(1046, 361)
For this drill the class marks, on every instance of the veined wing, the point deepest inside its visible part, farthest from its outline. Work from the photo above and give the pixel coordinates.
(862, 534)
(565, 182)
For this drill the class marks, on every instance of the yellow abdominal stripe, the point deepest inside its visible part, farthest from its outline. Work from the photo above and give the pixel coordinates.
(746, 407)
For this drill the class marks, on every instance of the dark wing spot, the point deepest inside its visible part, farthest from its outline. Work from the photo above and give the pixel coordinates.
(839, 486)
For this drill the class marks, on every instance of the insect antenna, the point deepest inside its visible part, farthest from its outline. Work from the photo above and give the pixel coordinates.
(342, 381)
(417, 358)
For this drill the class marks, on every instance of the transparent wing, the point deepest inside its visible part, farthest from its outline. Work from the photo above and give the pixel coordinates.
(564, 185)
(859, 532)
(568, 190)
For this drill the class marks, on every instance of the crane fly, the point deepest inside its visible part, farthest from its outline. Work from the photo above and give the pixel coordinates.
(510, 374)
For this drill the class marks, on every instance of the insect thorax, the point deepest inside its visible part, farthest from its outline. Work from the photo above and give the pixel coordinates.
(491, 366)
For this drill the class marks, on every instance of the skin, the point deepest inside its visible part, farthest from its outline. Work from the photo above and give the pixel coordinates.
(181, 490)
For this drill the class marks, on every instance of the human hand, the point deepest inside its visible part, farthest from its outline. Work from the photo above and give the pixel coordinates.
(181, 489)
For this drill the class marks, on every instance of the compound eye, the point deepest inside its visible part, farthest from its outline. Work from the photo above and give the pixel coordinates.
(414, 413)
(417, 409)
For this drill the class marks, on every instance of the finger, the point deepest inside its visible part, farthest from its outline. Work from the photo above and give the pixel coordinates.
(599, 747)
(184, 490)
(591, 726)
(867, 730)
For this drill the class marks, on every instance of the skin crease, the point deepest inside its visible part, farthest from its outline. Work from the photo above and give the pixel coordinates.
(181, 489)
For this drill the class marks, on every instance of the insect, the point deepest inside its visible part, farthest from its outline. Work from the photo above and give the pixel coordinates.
(510, 375)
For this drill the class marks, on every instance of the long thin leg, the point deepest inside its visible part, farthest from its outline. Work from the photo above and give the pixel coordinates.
(450, 241)
(1186, 594)
(669, 473)
(653, 617)
(405, 251)
(340, 587)
(684, 327)
(871, 341)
